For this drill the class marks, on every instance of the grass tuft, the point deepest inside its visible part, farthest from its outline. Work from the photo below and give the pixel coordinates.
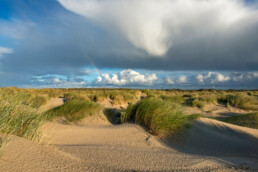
(74, 110)
(158, 116)
(17, 118)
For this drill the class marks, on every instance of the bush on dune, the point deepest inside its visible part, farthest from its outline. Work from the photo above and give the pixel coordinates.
(74, 110)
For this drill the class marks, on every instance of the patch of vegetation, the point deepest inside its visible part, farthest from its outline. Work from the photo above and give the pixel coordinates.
(247, 120)
(74, 110)
(158, 116)
(198, 103)
(174, 99)
(240, 100)
(128, 113)
(38, 101)
(17, 118)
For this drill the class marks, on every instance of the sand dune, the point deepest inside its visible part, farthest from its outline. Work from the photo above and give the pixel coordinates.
(208, 145)
(235, 144)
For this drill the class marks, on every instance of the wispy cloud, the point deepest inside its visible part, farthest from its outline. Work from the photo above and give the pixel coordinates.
(4, 50)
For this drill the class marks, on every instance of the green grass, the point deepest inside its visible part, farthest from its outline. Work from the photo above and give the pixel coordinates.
(247, 120)
(128, 113)
(74, 110)
(198, 103)
(174, 99)
(158, 116)
(17, 118)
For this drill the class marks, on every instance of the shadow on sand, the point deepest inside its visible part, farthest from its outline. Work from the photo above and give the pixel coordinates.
(222, 142)
(113, 115)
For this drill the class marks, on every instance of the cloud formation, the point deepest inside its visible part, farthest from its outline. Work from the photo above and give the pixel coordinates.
(212, 77)
(50, 38)
(126, 77)
(131, 78)
(155, 26)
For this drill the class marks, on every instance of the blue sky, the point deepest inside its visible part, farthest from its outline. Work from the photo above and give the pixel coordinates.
(187, 44)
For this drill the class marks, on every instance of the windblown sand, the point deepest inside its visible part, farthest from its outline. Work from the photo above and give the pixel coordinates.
(209, 145)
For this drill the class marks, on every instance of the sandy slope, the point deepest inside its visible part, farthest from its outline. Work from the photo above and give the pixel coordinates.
(235, 144)
(129, 147)
(52, 103)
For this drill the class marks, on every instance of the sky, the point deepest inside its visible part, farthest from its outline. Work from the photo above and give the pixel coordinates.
(163, 44)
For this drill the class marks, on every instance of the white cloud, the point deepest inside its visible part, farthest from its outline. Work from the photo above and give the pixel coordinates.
(170, 80)
(173, 80)
(200, 78)
(182, 79)
(155, 25)
(58, 82)
(212, 77)
(221, 78)
(126, 77)
(4, 50)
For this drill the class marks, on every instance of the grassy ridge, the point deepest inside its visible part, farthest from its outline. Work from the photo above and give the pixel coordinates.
(74, 110)
(247, 120)
(158, 116)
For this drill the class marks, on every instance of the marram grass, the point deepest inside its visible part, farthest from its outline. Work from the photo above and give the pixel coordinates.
(74, 110)
(158, 116)
(18, 118)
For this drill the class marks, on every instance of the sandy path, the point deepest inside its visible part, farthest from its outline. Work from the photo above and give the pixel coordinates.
(128, 147)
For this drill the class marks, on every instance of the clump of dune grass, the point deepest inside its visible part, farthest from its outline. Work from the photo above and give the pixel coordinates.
(247, 120)
(198, 103)
(128, 113)
(17, 118)
(38, 101)
(158, 116)
(74, 110)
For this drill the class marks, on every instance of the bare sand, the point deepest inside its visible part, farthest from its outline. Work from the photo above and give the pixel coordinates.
(209, 145)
